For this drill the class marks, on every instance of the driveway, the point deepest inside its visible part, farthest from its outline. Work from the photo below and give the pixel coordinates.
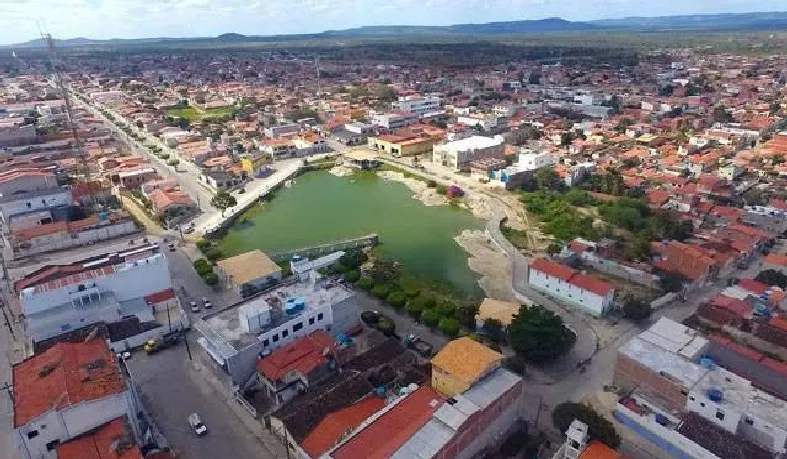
(171, 388)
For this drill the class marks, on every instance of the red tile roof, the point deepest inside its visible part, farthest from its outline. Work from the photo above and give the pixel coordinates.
(774, 259)
(333, 427)
(734, 305)
(598, 450)
(754, 286)
(390, 431)
(98, 444)
(302, 355)
(161, 296)
(591, 284)
(64, 375)
(552, 268)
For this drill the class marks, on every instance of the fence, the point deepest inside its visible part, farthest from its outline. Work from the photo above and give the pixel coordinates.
(370, 240)
(628, 273)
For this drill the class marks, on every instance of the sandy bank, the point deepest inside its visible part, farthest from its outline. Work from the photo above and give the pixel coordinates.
(421, 192)
(341, 171)
(487, 260)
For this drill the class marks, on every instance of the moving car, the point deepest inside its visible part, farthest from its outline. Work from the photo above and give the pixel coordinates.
(194, 306)
(171, 247)
(196, 424)
(206, 303)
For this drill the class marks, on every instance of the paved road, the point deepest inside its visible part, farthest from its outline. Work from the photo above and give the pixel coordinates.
(171, 389)
(7, 356)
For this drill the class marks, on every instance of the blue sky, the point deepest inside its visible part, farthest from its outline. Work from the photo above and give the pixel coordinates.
(101, 19)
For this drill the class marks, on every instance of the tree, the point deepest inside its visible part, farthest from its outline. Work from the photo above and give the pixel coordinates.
(211, 279)
(672, 283)
(223, 201)
(547, 179)
(539, 335)
(446, 308)
(353, 258)
(397, 299)
(202, 266)
(773, 277)
(381, 291)
(599, 428)
(721, 115)
(466, 311)
(566, 138)
(385, 93)
(352, 276)
(449, 326)
(494, 330)
(365, 283)
(624, 124)
(636, 308)
(430, 318)
(385, 271)
(419, 304)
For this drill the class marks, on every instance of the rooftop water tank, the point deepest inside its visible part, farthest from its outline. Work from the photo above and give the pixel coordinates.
(715, 395)
(290, 306)
(300, 304)
(707, 362)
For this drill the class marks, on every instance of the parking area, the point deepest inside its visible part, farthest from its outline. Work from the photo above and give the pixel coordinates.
(171, 388)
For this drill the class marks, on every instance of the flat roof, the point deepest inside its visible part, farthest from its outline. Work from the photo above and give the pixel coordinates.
(663, 362)
(360, 155)
(466, 359)
(226, 323)
(248, 266)
(738, 391)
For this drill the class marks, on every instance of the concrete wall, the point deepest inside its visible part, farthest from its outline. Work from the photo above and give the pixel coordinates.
(58, 197)
(625, 272)
(62, 241)
(629, 375)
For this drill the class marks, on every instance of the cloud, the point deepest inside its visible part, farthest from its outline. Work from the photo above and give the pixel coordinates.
(182, 18)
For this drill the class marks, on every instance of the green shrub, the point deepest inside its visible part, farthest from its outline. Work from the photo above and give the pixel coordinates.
(365, 283)
(352, 276)
(202, 267)
(427, 301)
(213, 254)
(446, 309)
(442, 189)
(204, 244)
(211, 279)
(430, 318)
(414, 309)
(431, 183)
(381, 291)
(397, 299)
(339, 268)
(449, 326)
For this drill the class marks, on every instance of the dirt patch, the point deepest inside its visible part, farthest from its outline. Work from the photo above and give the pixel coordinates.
(341, 171)
(428, 196)
(489, 261)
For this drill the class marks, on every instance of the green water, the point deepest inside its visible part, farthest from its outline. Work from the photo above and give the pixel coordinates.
(322, 208)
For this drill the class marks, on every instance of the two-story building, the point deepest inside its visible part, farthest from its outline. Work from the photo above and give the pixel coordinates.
(586, 292)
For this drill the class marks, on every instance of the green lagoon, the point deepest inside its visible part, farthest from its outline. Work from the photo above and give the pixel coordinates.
(322, 208)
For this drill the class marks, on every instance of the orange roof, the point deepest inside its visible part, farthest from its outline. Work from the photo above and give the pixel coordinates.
(390, 431)
(302, 355)
(552, 268)
(333, 427)
(98, 444)
(598, 450)
(64, 375)
(158, 297)
(774, 259)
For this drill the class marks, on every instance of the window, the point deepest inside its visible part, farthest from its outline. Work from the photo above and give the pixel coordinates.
(297, 327)
(52, 445)
(749, 421)
(266, 343)
(719, 415)
(319, 316)
(311, 320)
(285, 333)
(275, 337)
(32, 434)
(702, 404)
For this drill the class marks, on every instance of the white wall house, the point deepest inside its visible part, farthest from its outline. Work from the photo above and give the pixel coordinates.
(418, 105)
(588, 293)
(17, 204)
(47, 411)
(460, 153)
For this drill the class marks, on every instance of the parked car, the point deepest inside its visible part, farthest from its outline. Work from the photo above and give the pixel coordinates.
(194, 306)
(196, 424)
(171, 247)
(189, 228)
(206, 303)
(416, 343)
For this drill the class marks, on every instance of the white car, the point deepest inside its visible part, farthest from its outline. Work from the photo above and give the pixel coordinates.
(194, 306)
(206, 303)
(196, 424)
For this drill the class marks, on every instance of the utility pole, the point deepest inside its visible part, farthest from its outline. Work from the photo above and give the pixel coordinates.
(10, 389)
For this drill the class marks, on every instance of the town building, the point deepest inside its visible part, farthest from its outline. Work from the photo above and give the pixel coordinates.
(402, 145)
(583, 291)
(67, 391)
(113, 440)
(501, 311)
(460, 364)
(236, 336)
(360, 159)
(392, 121)
(418, 105)
(59, 298)
(248, 272)
(460, 153)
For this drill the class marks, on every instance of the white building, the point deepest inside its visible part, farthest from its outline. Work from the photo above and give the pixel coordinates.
(66, 391)
(394, 120)
(460, 153)
(278, 131)
(101, 289)
(33, 201)
(236, 336)
(487, 122)
(730, 402)
(588, 293)
(418, 105)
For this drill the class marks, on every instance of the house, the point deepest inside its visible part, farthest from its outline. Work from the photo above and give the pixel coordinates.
(586, 292)
(248, 272)
(460, 153)
(502, 311)
(579, 446)
(361, 159)
(172, 202)
(393, 121)
(460, 364)
(113, 440)
(296, 366)
(332, 429)
(67, 391)
(418, 105)
(402, 145)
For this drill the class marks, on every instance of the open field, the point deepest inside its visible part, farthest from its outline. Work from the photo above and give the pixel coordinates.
(197, 114)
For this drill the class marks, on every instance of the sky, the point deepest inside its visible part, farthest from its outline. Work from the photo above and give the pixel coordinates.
(102, 19)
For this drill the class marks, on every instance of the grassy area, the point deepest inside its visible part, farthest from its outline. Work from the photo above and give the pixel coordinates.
(196, 114)
(517, 238)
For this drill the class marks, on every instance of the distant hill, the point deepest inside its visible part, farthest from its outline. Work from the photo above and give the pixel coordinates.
(698, 22)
